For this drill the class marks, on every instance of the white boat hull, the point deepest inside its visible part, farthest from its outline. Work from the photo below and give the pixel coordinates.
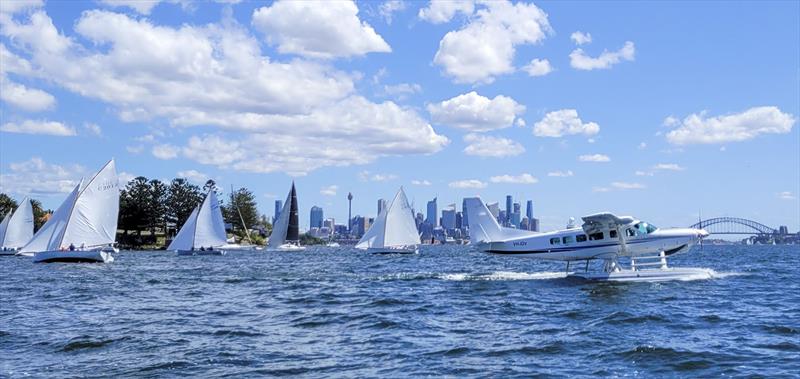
(290, 247)
(392, 250)
(66, 256)
(8, 252)
(651, 275)
(200, 252)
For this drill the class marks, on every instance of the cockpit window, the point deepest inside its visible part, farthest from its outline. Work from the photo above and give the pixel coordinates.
(644, 228)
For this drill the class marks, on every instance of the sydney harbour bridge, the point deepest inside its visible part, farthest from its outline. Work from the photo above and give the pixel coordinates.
(757, 231)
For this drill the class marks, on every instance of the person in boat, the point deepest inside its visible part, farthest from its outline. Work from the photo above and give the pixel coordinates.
(211, 248)
(202, 248)
(192, 248)
(83, 246)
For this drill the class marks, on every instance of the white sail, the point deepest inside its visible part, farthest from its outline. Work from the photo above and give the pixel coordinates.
(18, 228)
(401, 229)
(394, 227)
(4, 226)
(184, 240)
(210, 228)
(281, 226)
(93, 220)
(49, 235)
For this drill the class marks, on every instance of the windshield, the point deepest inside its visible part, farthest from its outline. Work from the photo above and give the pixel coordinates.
(643, 228)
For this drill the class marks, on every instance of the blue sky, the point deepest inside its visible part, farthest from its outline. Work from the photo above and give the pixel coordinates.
(660, 110)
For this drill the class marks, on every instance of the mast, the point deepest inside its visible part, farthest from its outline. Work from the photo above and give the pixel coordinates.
(246, 231)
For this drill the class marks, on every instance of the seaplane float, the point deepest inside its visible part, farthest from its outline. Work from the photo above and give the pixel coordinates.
(603, 236)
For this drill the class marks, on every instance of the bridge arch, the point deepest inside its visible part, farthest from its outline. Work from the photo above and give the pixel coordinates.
(733, 225)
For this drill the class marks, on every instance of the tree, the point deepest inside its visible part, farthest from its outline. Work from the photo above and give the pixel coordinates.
(241, 201)
(134, 205)
(39, 214)
(158, 198)
(182, 198)
(6, 204)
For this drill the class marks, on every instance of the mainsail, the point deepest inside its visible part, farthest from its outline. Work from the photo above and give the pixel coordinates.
(17, 227)
(205, 227)
(287, 225)
(88, 217)
(394, 227)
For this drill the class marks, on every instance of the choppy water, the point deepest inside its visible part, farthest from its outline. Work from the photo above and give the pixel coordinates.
(448, 311)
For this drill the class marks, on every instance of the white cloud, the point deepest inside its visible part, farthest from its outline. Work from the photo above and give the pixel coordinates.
(468, 183)
(581, 38)
(401, 90)
(441, 11)
(627, 186)
(786, 195)
(594, 158)
(538, 67)
(329, 190)
(420, 182)
(53, 128)
(699, 129)
(93, 129)
(123, 177)
(642, 146)
(644, 173)
(671, 121)
(10, 7)
(306, 28)
(564, 122)
(214, 76)
(365, 176)
(193, 176)
(561, 174)
(484, 48)
(488, 146)
(520, 122)
(388, 8)
(579, 60)
(165, 151)
(668, 167)
(135, 149)
(20, 96)
(511, 179)
(36, 177)
(474, 112)
(141, 6)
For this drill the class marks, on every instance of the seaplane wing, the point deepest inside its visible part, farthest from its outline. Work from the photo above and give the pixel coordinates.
(604, 220)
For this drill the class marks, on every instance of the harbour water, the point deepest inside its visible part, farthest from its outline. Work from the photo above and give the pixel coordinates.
(449, 311)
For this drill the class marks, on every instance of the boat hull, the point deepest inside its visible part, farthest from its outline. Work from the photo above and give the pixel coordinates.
(187, 253)
(654, 275)
(390, 250)
(91, 256)
(8, 252)
(290, 247)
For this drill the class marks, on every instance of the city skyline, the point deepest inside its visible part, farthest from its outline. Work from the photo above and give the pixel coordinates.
(591, 109)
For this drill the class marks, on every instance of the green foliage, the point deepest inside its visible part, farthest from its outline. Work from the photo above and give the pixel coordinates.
(306, 239)
(6, 205)
(241, 201)
(182, 197)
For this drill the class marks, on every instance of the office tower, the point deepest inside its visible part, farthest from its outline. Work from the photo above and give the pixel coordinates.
(459, 220)
(516, 216)
(432, 217)
(449, 217)
(502, 217)
(349, 212)
(529, 214)
(278, 207)
(509, 210)
(525, 224)
(316, 217)
(464, 216)
(419, 220)
(381, 205)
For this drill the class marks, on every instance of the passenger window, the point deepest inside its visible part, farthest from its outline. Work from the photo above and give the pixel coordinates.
(596, 236)
(555, 241)
(568, 239)
(581, 237)
(612, 234)
(630, 232)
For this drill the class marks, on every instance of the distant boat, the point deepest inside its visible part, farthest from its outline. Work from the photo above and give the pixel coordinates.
(203, 233)
(17, 228)
(332, 244)
(394, 231)
(286, 231)
(84, 227)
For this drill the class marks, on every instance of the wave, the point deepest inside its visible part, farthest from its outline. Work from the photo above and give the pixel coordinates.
(504, 275)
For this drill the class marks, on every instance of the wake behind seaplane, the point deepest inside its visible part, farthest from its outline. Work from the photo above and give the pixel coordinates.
(603, 236)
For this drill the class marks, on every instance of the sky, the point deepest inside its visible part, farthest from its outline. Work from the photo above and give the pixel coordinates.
(667, 111)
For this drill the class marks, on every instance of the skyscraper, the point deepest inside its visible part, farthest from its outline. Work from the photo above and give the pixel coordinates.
(509, 210)
(516, 216)
(349, 212)
(316, 217)
(381, 205)
(464, 216)
(529, 213)
(449, 217)
(432, 217)
(278, 207)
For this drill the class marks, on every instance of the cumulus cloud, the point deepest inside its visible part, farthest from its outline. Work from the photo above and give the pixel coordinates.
(564, 122)
(193, 176)
(538, 67)
(484, 48)
(581, 38)
(308, 29)
(700, 129)
(488, 146)
(627, 186)
(263, 114)
(37, 177)
(366, 176)
(594, 158)
(20, 96)
(467, 184)
(514, 179)
(401, 91)
(329, 190)
(579, 60)
(420, 182)
(388, 8)
(441, 11)
(560, 174)
(141, 6)
(53, 128)
(14, 6)
(93, 129)
(668, 167)
(786, 195)
(474, 112)
(165, 151)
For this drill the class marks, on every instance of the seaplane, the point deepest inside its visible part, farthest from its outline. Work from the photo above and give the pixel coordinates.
(603, 236)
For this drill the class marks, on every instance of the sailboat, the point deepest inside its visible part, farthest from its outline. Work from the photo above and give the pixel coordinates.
(84, 227)
(394, 231)
(203, 233)
(17, 228)
(231, 244)
(286, 231)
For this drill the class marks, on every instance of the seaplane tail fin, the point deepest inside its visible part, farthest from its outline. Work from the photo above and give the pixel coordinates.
(483, 227)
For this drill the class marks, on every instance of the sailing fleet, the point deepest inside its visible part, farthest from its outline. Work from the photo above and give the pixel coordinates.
(84, 227)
